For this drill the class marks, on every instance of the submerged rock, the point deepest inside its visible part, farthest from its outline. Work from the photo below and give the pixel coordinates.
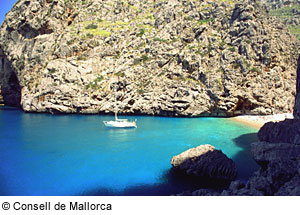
(205, 161)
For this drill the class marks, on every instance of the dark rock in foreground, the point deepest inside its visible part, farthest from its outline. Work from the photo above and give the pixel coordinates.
(279, 173)
(265, 152)
(205, 161)
(296, 111)
(287, 131)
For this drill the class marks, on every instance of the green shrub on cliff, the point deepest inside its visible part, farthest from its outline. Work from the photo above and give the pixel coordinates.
(94, 84)
(91, 26)
(141, 33)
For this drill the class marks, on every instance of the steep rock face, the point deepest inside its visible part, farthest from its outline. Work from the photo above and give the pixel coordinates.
(26, 37)
(9, 85)
(264, 152)
(278, 153)
(205, 161)
(291, 188)
(286, 131)
(178, 58)
(296, 111)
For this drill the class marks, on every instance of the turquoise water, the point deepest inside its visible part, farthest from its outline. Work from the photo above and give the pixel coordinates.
(42, 154)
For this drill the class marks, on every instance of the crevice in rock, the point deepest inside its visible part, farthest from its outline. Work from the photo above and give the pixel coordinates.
(27, 3)
(297, 99)
(244, 105)
(9, 82)
(28, 32)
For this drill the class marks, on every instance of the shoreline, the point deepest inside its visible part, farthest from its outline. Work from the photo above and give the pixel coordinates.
(247, 122)
(257, 121)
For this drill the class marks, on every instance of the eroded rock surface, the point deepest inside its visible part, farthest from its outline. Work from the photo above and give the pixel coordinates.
(172, 58)
(205, 161)
(287, 131)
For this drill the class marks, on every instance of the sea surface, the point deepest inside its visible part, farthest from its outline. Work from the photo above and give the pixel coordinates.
(43, 154)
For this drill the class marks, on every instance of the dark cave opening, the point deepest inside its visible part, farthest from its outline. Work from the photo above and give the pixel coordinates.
(9, 82)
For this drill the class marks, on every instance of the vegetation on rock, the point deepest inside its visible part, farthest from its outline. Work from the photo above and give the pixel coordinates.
(288, 11)
(174, 58)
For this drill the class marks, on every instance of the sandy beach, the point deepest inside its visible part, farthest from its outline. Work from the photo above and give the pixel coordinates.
(258, 121)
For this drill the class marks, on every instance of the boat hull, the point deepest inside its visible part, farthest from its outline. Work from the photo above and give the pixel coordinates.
(114, 124)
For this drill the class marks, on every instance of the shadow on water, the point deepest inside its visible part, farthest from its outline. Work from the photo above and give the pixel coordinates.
(8, 108)
(3, 185)
(243, 160)
(174, 183)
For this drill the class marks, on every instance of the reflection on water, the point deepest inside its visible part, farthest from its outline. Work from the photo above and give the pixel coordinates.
(42, 154)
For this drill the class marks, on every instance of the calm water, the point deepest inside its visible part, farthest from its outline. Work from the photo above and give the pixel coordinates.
(43, 154)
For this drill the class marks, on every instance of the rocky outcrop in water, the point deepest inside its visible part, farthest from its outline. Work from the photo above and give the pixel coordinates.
(279, 173)
(173, 58)
(205, 161)
(278, 154)
(279, 162)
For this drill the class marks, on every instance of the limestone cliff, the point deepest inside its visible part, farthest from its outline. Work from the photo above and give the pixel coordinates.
(177, 57)
(288, 11)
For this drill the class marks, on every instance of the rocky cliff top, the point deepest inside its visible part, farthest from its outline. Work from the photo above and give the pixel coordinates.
(176, 58)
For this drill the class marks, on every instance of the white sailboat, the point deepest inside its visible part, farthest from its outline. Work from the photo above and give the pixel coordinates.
(120, 123)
